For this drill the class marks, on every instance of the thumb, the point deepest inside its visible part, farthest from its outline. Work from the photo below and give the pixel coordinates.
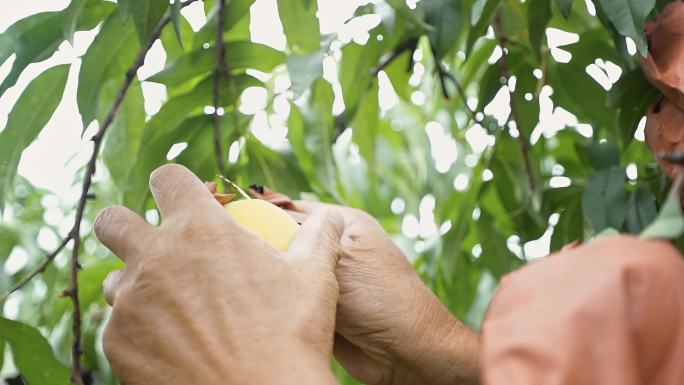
(318, 238)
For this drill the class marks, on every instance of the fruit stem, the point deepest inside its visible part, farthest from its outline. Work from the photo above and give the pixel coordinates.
(235, 186)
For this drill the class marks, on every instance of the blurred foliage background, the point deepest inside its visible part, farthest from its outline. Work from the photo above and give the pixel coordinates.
(481, 133)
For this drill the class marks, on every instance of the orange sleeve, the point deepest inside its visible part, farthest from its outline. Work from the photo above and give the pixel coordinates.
(609, 312)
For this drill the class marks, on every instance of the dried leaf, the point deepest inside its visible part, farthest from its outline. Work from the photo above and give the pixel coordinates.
(665, 132)
(224, 198)
(664, 65)
(281, 200)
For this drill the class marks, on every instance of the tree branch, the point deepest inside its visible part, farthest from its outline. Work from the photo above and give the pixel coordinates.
(220, 67)
(37, 270)
(524, 145)
(444, 73)
(386, 60)
(74, 234)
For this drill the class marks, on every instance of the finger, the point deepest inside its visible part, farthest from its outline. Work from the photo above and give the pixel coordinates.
(211, 186)
(176, 189)
(318, 238)
(356, 362)
(308, 207)
(110, 286)
(297, 216)
(122, 231)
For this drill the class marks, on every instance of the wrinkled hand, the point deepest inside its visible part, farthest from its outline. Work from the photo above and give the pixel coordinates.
(391, 328)
(203, 301)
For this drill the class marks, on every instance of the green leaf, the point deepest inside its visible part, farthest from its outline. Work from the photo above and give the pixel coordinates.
(565, 7)
(641, 210)
(633, 94)
(124, 135)
(480, 21)
(628, 17)
(355, 66)
(37, 37)
(73, 14)
(365, 125)
(570, 226)
(124, 9)
(169, 124)
(490, 84)
(304, 70)
(236, 10)
(538, 16)
(276, 169)
(604, 201)
(669, 224)
(311, 128)
(239, 55)
(175, 19)
(108, 57)
(398, 73)
(300, 24)
(574, 89)
(32, 354)
(598, 155)
(30, 114)
(146, 16)
(496, 256)
(446, 18)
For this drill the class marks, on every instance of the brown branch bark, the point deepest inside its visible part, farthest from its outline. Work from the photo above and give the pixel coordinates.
(220, 68)
(444, 73)
(74, 233)
(522, 140)
(72, 291)
(386, 60)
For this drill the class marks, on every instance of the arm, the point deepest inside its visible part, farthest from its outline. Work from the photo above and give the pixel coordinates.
(203, 301)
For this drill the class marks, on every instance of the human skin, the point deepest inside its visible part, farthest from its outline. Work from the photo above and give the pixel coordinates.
(203, 301)
(391, 329)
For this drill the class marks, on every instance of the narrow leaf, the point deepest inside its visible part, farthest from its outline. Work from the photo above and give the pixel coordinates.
(73, 13)
(604, 201)
(304, 70)
(628, 17)
(169, 124)
(146, 16)
(446, 18)
(32, 354)
(30, 114)
(565, 7)
(175, 19)
(300, 24)
(538, 16)
(124, 9)
(108, 57)
(641, 210)
(37, 37)
(239, 55)
(669, 224)
(124, 135)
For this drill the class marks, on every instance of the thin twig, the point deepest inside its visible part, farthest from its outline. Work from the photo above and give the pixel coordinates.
(444, 73)
(219, 67)
(72, 291)
(37, 270)
(386, 60)
(524, 146)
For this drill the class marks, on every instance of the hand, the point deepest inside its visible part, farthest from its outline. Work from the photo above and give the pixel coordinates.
(203, 301)
(392, 329)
